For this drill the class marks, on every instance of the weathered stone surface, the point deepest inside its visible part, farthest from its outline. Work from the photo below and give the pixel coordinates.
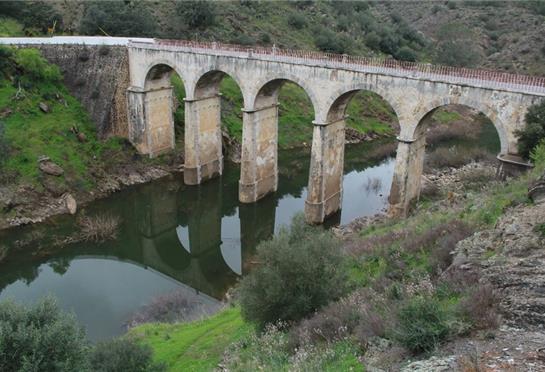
(100, 83)
(71, 204)
(53, 187)
(44, 107)
(49, 167)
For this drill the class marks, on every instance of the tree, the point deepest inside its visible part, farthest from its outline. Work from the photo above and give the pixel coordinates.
(406, 54)
(301, 270)
(118, 18)
(456, 46)
(534, 131)
(196, 14)
(40, 338)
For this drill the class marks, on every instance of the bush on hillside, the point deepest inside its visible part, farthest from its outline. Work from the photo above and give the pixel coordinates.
(300, 270)
(35, 67)
(423, 324)
(297, 21)
(196, 14)
(534, 131)
(123, 354)
(330, 42)
(37, 15)
(406, 54)
(117, 18)
(456, 46)
(40, 338)
(5, 59)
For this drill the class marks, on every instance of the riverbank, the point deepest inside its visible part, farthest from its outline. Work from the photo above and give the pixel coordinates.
(504, 237)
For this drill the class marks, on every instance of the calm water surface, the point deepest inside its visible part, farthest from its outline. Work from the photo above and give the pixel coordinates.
(194, 239)
(197, 239)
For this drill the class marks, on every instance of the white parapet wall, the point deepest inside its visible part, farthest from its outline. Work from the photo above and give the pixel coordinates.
(77, 40)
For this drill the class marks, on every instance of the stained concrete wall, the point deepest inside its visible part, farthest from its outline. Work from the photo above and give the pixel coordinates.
(98, 76)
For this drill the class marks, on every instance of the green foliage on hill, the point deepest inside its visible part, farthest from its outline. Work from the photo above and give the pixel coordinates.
(534, 131)
(26, 80)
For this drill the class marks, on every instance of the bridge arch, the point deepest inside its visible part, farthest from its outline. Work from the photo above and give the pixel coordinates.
(339, 99)
(267, 89)
(159, 68)
(429, 108)
(207, 83)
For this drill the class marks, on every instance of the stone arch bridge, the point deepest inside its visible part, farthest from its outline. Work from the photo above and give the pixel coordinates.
(413, 90)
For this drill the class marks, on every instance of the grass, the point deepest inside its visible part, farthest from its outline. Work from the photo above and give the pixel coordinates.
(196, 346)
(10, 28)
(32, 133)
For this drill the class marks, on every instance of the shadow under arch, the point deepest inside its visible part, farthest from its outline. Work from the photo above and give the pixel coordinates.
(158, 75)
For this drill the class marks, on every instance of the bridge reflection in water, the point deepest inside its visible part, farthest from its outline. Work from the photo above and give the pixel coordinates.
(198, 239)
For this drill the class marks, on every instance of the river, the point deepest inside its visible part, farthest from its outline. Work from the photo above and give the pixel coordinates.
(196, 239)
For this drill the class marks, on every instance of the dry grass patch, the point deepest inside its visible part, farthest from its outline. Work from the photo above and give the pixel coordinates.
(99, 228)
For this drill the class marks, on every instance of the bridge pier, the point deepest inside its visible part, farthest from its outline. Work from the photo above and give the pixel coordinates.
(407, 173)
(203, 144)
(326, 171)
(259, 159)
(151, 126)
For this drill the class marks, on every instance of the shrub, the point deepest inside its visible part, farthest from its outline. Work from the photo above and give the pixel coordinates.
(297, 21)
(99, 228)
(117, 18)
(196, 14)
(169, 308)
(40, 338)
(423, 324)
(300, 271)
(534, 130)
(6, 54)
(455, 157)
(480, 307)
(456, 46)
(243, 39)
(34, 66)
(33, 14)
(123, 354)
(328, 41)
(406, 54)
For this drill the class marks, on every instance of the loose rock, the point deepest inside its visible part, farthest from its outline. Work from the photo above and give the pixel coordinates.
(44, 107)
(48, 167)
(70, 203)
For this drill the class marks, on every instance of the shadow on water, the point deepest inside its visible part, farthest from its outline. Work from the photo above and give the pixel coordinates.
(197, 239)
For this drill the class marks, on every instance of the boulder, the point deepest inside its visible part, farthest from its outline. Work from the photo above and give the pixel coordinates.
(48, 167)
(54, 187)
(4, 113)
(44, 107)
(70, 203)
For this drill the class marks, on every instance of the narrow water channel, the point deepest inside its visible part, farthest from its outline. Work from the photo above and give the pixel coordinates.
(198, 239)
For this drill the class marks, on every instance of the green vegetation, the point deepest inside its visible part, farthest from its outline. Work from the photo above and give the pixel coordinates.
(123, 354)
(10, 28)
(116, 18)
(29, 133)
(300, 270)
(196, 346)
(40, 338)
(534, 131)
(456, 46)
(368, 113)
